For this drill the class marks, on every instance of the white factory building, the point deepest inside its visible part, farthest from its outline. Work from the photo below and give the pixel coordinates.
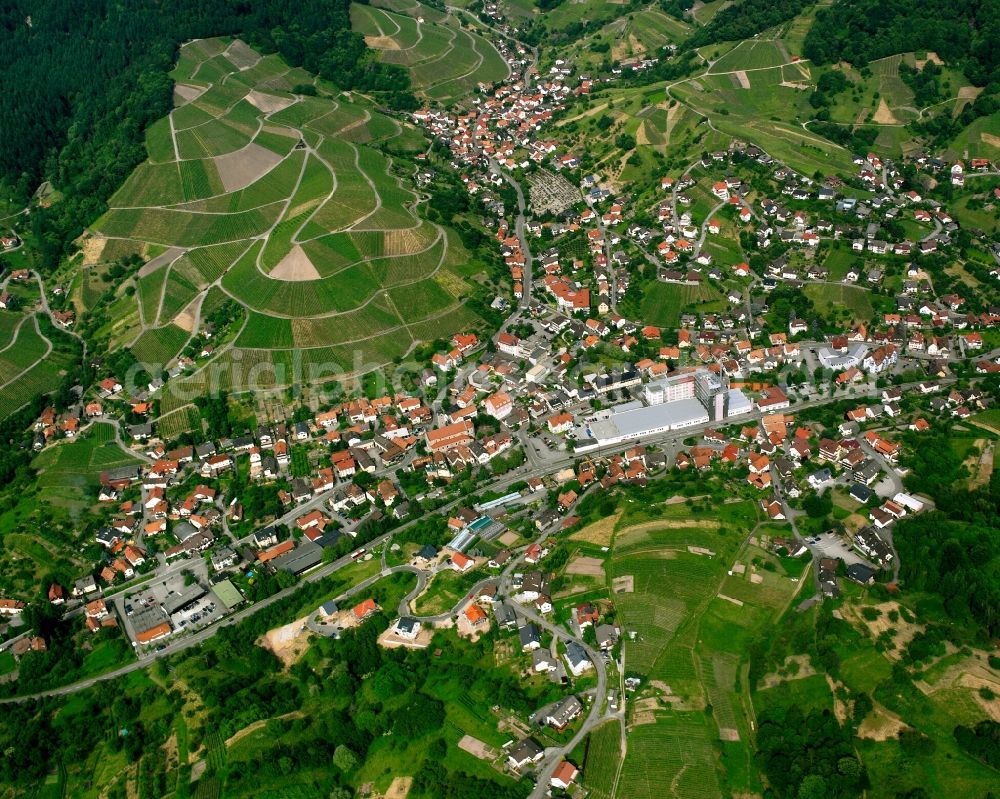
(674, 403)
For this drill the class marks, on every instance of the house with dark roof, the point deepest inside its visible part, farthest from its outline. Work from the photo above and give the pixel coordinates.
(530, 637)
(525, 754)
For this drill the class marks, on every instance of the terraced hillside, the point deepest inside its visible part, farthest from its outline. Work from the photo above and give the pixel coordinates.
(290, 205)
(446, 61)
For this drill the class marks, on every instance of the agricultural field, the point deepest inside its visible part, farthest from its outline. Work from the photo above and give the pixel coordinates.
(285, 204)
(603, 755)
(446, 62)
(663, 303)
(694, 592)
(831, 299)
(31, 362)
(69, 472)
(641, 34)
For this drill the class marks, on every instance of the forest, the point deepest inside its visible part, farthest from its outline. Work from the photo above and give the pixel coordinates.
(962, 32)
(808, 755)
(347, 698)
(82, 81)
(746, 19)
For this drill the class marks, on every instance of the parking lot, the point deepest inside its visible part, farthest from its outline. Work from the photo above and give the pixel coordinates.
(188, 605)
(831, 545)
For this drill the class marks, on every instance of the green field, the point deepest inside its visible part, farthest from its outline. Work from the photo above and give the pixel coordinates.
(309, 241)
(692, 623)
(603, 756)
(445, 61)
(840, 299)
(663, 303)
(158, 346)
(69, 472)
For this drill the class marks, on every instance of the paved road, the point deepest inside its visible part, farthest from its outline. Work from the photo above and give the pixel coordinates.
(666, 439)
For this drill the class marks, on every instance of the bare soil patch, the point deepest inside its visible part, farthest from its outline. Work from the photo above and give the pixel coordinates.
(198, 769)
(624, 584)
(904, 630)
(741, 79)
(185, 93)
(160, 260)
(467, 630)
(185, 319)
(702, 550)
(839, 706)
(883, 114)
(989, 138)
(641, 136)
(289, 642)
(508, 539)
(268, 103)
(389, 639)
(855, 522)
(805, 669)
(93, 246)
(737, 602)
(295, 266)
(477, 748)
(728, 734)
(881, 725)
(382, 43)
(241, 54)
(399, 788)
(241, 168)
(599, 533)
(590, 567)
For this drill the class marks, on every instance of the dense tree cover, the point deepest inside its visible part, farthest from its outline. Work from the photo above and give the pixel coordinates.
(676, 8)
(746, 19)
(348, 694)
(962, 32)
(925, 83)
(83, 80)
(214, 410)
(981, 741)
(954, 560)
(859, 140)
(951, 552)
(808, 756)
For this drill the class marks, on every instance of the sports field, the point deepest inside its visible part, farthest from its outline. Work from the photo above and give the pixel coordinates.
(287, 205)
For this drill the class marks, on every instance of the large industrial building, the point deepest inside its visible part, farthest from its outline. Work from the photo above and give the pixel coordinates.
(673, 403)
